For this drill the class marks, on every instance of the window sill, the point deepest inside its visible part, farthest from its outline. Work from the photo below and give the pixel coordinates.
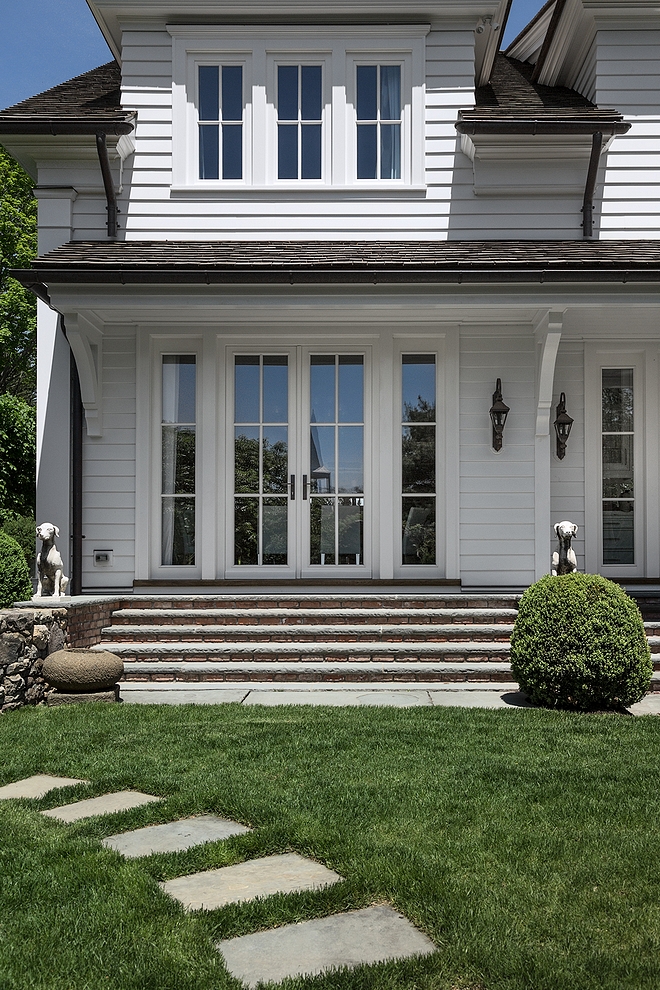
(370, 190)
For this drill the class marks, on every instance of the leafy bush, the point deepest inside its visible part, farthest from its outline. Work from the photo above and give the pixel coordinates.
(15, 584)
(23, 530)
(579, 642)
(18, 456)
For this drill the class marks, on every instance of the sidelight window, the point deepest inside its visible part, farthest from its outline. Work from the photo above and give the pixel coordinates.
(418, 459)
(178, 458)
(618, 486)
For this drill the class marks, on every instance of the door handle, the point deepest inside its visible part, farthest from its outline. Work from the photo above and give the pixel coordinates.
(304, 491)
(293, 488)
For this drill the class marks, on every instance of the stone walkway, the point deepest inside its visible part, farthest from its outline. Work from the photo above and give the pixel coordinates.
(397, 696)
(354, 938)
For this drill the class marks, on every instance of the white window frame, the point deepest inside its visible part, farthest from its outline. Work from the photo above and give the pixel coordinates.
(259, 50)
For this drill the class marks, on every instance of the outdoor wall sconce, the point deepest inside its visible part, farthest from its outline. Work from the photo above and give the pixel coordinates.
(563, 424)
(498, 414)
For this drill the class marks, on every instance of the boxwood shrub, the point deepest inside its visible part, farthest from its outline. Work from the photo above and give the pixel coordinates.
(579, 642)
(15, 583)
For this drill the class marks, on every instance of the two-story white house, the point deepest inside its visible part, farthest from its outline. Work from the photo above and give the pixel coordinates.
(287, 252)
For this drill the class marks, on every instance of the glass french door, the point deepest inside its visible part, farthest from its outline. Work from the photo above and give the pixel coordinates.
(297, 474)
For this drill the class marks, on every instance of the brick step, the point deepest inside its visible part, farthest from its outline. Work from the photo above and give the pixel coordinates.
(297, 652)
(309, 671)
(270, 633)
(323, 601)
(310, 616)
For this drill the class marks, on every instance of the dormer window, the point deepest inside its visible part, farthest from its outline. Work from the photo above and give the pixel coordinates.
(220, 100)
(299, 121)
(378, 121)
(287, 108)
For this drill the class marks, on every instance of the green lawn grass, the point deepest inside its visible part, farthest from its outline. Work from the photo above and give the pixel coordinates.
(523, 842)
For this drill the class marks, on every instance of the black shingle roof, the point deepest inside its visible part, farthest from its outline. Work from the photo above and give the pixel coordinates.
(218, 262)
(512, 102)
(89, 102)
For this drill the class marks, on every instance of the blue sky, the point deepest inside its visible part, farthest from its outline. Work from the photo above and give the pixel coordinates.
(44, 42)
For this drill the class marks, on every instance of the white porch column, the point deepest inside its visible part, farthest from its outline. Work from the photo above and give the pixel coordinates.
(548, 336)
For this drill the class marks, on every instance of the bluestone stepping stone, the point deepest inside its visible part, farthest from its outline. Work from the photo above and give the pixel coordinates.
(257, 878)
(106, 804)
(174, 836)
(37, 786)
(356, 938)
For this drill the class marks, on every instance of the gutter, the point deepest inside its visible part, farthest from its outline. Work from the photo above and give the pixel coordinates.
(108, 184)
(55, 126)
(536, 126)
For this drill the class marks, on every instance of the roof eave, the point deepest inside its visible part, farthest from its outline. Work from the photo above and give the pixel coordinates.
(58, 125)
(538, 126)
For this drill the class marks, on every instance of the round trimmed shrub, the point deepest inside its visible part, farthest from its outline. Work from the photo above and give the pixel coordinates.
(15, 583)
(579, 642)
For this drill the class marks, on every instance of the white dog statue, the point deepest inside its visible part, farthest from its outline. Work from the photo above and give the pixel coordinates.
(50, 575)
(564, 561)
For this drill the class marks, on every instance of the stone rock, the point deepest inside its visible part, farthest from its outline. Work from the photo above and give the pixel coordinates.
(14, 689)
(57, 639)
(2, 696)
(21, 667)
(11, 646)
(82, 670)
(56, 698)
(40, 637)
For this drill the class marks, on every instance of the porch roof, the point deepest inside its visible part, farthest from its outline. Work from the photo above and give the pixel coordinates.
(264, 262)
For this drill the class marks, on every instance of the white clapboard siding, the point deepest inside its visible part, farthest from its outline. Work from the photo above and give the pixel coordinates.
(497, 490)
(109, 473)
(567, 476)
(628, 78)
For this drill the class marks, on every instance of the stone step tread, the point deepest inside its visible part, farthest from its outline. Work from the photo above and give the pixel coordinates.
(220, 649)
(408, 629)
(206, 666)
(462, 616)
(331, 600)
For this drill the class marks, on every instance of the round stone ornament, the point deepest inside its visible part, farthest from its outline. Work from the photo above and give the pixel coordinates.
(82, 670)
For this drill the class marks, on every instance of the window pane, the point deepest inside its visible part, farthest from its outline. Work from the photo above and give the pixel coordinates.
(275, 460)
(618, 467)
(311, 92)
(274, 532)
(232, 151)
(390, 151)
(351, 527)
(418, 458)
(179, 391)
(209, 148)
(287, 152)
(618, 400)
(311, 151)
(367, 151)
(618, 532)
(350, 475)
(322, 531)
(367, 92)
(246, 528)
(178, 448)
(209, 92)
(287, 92)
(276, 389)
(418, 388)
(178, 529)
(322, 459)
(390, 92)
(351, 388)
(322, 384)
(418, 531)
(232, 92)
(246, 460)
(246, 389)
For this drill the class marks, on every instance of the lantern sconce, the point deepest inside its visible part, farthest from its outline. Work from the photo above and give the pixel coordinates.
(498, 414)
(563, 424)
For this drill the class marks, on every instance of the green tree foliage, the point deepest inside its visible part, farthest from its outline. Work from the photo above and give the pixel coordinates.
(15, 584)
(17, 456)
(579, 642)
(18, 307)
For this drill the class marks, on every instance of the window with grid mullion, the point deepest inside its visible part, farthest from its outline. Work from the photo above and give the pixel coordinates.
(378, 121)
(220, 99)
(299, 121)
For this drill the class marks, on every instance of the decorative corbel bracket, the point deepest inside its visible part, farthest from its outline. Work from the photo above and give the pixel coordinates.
(548, 334)
(86, 342)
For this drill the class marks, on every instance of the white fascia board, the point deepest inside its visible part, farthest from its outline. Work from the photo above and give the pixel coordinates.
(31, 150)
